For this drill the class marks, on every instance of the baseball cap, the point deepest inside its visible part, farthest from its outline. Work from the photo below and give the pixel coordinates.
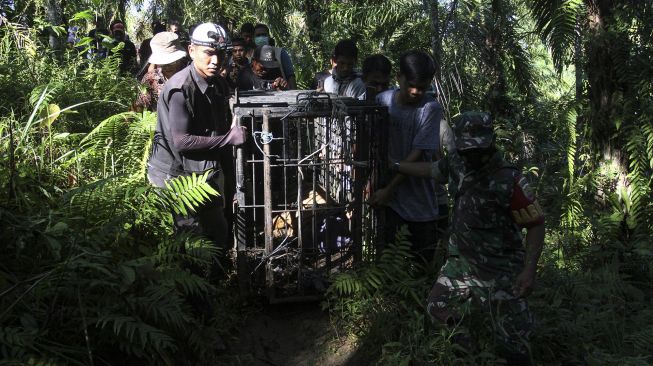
(265, 55)
(210, 35)
(473, 130)
(165, 49)
(118, 27)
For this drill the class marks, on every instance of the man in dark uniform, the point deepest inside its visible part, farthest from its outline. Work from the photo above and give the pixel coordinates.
(488, 264)
(193, 132)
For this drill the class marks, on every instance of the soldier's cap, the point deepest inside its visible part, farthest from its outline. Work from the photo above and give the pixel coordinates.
(473, 130)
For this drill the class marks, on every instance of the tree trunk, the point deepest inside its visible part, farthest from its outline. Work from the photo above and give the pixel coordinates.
(314, 13)
(436, 36)
(122, 9)
(314, 17)
(55, 18)
(578, 61)
(601, 73)
(496, 102)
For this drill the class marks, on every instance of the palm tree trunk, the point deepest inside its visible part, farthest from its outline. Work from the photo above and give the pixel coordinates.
(601, 75)
(436, 35)
(55, 17)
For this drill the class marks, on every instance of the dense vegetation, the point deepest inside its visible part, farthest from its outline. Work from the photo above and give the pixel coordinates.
(90, 273)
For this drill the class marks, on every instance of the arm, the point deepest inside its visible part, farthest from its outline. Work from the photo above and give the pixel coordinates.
(184, 141)
(383, 195)
(418, 169)
(526, 212)
(446, 138)
(288, 70)
(534, 243)
(438, 170)
(425, 138)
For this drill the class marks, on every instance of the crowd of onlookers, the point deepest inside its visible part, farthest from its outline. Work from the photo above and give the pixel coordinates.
(253, 61)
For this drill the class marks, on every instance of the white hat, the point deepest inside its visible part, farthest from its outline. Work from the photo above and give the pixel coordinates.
(210, 35)
(165, 49)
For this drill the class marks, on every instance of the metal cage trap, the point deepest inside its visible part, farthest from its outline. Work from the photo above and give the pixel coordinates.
(302, 180)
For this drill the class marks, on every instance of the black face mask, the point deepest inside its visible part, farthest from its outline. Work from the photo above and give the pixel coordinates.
(476, 158)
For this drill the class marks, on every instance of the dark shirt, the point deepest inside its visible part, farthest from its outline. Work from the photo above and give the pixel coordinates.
(193, 125)
(98, 47)
(145, 51)
(234, 70)
(127, 56)
(248, 80)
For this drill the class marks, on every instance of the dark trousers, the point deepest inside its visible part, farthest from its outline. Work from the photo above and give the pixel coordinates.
(209, 220)
(424, 236)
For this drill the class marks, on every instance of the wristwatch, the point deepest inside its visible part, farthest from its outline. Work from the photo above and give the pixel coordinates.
(396, 165)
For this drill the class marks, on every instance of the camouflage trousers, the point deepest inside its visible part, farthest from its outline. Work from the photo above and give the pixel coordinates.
(458, 291)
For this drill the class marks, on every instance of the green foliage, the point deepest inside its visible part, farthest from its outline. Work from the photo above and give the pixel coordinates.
(383, 304)
(557, 22)
(91, 272)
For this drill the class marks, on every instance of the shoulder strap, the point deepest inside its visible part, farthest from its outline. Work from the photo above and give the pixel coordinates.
(188, 90)
(277, 54)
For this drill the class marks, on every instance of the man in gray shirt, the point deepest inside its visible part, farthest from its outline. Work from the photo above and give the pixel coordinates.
(417, 132)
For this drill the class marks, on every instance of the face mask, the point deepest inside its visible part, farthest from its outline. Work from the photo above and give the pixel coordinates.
(475, 159)
(339, 78)
(262, 40)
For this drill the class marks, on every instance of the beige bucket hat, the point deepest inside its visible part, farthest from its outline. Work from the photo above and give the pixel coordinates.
(165, 49)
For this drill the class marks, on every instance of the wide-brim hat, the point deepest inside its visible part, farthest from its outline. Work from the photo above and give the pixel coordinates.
(265, 55)
(165, 49)
(473, 130)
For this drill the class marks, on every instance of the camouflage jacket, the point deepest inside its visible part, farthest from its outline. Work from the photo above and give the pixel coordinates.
(483, 229)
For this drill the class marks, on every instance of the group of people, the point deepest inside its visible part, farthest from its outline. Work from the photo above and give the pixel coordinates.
(487, 263)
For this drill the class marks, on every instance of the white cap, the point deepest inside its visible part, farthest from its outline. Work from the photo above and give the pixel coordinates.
(211, 35)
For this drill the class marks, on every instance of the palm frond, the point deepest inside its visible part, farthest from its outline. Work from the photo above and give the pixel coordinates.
(556, 22)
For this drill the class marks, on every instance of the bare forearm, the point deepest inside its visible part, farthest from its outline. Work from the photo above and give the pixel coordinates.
(412, 157)
(416, 169)
(534, 245)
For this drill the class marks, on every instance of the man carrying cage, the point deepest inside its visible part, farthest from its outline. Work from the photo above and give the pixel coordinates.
(193, 131)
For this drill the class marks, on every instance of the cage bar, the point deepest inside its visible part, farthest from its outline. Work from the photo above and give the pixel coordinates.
(303, 178)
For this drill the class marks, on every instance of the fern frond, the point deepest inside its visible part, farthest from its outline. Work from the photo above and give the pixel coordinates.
(186, 193)
(135, 331)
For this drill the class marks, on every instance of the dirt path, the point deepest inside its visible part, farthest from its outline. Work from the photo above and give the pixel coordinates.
(290, 335)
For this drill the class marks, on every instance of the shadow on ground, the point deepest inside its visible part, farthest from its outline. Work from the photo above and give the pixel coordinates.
(290, 335)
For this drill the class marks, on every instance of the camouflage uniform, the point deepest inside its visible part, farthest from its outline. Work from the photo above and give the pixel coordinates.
(486, 253)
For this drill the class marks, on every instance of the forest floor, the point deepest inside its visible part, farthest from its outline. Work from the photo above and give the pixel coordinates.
(300, 334)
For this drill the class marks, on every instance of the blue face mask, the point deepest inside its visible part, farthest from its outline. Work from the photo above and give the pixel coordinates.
(262, 40)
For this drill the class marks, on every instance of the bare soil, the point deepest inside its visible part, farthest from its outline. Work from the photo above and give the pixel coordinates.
(290, 335)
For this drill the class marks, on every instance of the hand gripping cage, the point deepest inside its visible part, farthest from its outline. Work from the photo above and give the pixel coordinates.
(303, 179)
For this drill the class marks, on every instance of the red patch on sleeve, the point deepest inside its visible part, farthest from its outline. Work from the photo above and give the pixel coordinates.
(524, 208)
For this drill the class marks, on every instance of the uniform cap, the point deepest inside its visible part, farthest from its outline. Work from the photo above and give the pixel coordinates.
(165, 49)
(266, 56)
(473, 130)
(210, 35)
